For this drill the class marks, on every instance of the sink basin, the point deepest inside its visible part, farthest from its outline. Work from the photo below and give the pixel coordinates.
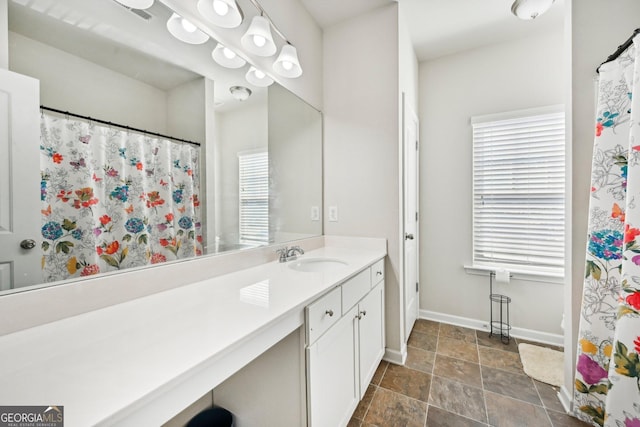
(318, 265)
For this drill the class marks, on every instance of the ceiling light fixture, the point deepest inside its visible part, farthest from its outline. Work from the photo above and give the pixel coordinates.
(184, 30)
(223, 13)
(226, 57)
(258, 78)
(287, 64)
(240, 93)
(258, 39)
(530, 9)
(136, 4)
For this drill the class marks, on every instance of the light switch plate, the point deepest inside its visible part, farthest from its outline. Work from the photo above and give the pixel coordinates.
(333, 213)
(315, 213)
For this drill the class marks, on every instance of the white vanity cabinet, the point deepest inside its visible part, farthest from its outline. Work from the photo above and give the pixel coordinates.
(342, 358)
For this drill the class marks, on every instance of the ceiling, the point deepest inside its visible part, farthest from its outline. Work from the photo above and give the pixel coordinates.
(444, 27)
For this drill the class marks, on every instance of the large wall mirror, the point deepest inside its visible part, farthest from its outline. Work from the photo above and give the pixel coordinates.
(243, 169)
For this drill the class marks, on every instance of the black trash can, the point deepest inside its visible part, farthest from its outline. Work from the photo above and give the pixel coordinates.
(214, 417)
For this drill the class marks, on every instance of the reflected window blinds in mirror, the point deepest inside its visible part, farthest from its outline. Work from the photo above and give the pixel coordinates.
(100, 59)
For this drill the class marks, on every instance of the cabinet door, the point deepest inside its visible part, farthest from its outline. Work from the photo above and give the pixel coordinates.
(332, 375)
(371, 335)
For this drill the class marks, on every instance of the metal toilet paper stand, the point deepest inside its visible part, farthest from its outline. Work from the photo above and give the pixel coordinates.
(499, 326)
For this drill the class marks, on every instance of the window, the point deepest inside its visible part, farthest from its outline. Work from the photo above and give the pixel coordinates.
(519, 191)
(254, 197)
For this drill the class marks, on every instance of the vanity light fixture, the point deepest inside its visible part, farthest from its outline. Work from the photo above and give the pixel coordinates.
(223, 13)
(226, 57)
(185, 30)
(287, 64)
(530, 9)
(136, 4)
(258, 39)
(240, 93)
(258, 78)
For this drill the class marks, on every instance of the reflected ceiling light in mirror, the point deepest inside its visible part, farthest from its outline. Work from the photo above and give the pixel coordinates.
(226, 57)
(530, 9)
(240, 93)
(287, 64)
(185, 30)
(258, 78)
(136, 4)
(223, 13)
(258, 39)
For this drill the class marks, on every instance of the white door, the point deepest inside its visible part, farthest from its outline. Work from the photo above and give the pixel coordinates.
(410, 217)
(19, 181)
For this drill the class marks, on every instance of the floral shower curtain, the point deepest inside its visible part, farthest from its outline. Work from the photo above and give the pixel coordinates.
(607, 384)
(113, 199)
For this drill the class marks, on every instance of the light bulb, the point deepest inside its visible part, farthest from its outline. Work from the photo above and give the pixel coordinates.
(228, 53)
(287, 65)
(260, 74)
(259, 41)
(188, 26)
(220, 7)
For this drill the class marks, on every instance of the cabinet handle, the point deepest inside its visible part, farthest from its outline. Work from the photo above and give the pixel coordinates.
(363, 312)
(329, 312)
(378, 273)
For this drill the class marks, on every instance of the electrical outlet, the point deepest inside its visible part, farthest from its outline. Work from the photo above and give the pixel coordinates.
(333, 213)
(315, 213)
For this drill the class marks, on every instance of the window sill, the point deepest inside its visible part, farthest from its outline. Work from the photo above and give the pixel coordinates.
(532, 276)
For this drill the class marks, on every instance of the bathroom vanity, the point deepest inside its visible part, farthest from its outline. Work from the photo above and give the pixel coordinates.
(143, 361)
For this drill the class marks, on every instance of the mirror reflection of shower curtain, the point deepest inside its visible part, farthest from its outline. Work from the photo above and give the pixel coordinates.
(113, 199)
(607, 381)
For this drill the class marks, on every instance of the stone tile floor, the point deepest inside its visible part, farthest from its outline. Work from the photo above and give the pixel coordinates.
(458, 377)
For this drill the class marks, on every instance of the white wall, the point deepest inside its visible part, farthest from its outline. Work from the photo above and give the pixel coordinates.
(234, 136)
(186, 109)
(73, 84)
(597, 28)
(515, 75)
(295, 166)
(361, 173)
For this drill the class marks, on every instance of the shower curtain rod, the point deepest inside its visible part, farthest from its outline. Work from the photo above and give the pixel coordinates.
(624, 46)
(91, 119)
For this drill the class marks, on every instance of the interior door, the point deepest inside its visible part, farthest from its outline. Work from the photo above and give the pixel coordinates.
(411, 146)
(20, 254)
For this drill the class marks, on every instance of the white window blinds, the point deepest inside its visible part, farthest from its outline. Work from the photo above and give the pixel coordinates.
(254, 197)
(519, 191)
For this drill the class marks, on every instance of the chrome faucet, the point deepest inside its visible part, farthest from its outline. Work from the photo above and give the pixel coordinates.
(289, 254)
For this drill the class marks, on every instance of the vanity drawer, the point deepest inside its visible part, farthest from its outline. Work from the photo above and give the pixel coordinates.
(355, 288)
(377, 272)
(323, 313)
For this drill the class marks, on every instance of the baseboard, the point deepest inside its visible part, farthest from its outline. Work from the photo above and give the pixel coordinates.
(394, 356)
(483, 325)
(565, 398)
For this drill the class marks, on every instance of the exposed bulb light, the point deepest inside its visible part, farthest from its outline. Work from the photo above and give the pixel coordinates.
(530, 9)
(185, 30)
(258, 78)
(223, 13)
(240, 93)
(287, 64)
(226, 57)
(220, 7)
(258, 39)
(136, 4)
(188, 26)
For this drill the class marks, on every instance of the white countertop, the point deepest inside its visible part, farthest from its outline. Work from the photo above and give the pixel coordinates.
(120, 364)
